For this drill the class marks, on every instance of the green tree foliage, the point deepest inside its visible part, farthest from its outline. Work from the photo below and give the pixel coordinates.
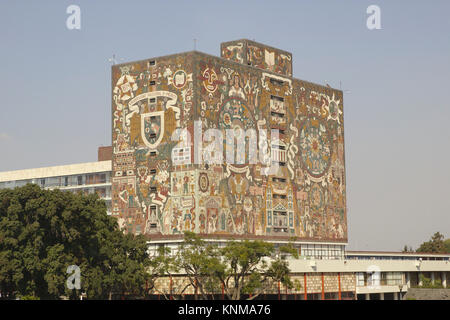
(429, 284)
(236, 269)
(447, 246)
(164, 264)
(252, 267)
(407, 249)
(43, 232)
(435, 245)
(201, 262)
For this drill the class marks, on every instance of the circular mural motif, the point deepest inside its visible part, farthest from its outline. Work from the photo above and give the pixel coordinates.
(203, 182)
(315, 147)
(179, 79)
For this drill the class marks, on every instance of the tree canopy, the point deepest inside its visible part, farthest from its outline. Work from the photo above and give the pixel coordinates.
(42, 232)
(237, 268)
(436, 244)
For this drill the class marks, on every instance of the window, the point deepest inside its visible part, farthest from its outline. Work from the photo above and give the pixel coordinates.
(277, 114)
(276, 82)
(152, 171)
(391, 278)
(152, 83)
(153, 154)
(277, 109)
(152, 100)
(279, 196)
(314, 296)
(101, 192)
(153, 189)
(90, 179)
(275, 98)
(278, 147)
(152, 62)
(275, 179)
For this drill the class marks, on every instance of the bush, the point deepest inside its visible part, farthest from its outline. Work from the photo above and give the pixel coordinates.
(29, 298)
(427, 283)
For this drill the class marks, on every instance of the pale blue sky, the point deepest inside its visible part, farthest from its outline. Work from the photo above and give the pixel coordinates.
(55, 88)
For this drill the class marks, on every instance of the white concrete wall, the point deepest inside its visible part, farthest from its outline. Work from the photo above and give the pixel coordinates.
(364, 265)
(67, 170)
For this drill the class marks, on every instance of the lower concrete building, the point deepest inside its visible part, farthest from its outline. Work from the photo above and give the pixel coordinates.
(357, 276)
(88, 178)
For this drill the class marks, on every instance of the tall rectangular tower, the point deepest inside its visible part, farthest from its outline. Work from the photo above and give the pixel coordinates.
(288, 179)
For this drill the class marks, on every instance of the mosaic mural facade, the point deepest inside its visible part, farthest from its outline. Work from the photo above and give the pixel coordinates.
(158, 190)
(258, 55)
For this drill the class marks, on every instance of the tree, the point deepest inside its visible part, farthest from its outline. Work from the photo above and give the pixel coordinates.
(407, 249)
(447, 245)
(202, 263)
(435, 245)
(42, 232)
(164, 264)
(240, 267)
(251, 269)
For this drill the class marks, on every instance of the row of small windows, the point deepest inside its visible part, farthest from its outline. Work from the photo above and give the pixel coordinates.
(63, 181)
(322, 252)
(378, 278)
(364, 257)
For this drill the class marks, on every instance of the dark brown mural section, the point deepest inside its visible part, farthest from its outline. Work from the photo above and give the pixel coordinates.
(289, 181)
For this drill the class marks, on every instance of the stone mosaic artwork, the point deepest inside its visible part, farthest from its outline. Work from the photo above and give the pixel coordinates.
(160, 192)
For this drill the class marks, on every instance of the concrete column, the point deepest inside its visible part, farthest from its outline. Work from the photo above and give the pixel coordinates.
(367, 296)
(381, 295)
(408, 280)
(395, 295)
(420, 280)
(432, 277)
(444, 279)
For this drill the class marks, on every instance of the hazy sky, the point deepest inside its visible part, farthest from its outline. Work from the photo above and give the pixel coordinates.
(55, 88)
